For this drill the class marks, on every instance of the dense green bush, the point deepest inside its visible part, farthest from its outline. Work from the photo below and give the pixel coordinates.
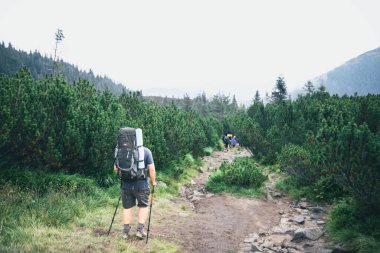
(243, 172)
(356, 226)
(55, 127)
(241, 177)
(208, 151)
(297, 162)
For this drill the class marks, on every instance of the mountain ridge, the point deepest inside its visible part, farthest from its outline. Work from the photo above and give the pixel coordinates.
(359, 75)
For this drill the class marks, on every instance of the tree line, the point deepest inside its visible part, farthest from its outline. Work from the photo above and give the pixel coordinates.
(11, 60)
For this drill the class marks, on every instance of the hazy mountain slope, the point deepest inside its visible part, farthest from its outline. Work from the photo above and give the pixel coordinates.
(360, 75)
(11, 60)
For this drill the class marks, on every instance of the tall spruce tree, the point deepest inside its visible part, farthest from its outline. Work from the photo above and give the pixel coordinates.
(309, 88)
(280, 91)
(257, 98)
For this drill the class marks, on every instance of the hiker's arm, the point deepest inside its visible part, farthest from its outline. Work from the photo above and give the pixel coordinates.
(115, 168)
(152, 173)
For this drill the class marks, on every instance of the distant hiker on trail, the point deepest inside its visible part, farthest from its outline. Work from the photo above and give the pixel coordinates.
(134, 163)
(226, 141)
(233, 141)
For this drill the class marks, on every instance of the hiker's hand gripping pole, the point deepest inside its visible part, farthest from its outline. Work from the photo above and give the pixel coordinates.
(150, 213)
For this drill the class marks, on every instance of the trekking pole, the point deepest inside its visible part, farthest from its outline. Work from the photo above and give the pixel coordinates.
(150, 213)
(109, 230)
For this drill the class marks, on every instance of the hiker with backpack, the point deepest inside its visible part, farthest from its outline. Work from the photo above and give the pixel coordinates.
(233, 141)
(226, 142)
(134, 164)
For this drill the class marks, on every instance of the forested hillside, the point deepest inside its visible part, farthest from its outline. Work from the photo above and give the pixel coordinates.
(11, 60)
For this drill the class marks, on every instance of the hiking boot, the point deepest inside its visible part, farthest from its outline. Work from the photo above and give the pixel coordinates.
(125, 236)
(140, 234)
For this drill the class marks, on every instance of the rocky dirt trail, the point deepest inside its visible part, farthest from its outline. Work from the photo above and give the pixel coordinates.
(207, 222)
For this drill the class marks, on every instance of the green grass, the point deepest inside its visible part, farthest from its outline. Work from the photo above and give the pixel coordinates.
(47, 212)
(290, 186)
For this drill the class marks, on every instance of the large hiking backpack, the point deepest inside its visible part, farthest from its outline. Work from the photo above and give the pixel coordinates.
(129, 154)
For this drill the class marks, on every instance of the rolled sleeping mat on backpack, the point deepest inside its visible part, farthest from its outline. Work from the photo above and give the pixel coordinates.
(140, 148)
(141, 164)
(139, 137)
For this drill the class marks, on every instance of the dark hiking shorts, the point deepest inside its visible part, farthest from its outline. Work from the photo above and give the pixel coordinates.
(129, 195)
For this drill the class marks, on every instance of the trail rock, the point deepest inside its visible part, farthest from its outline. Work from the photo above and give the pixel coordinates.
(303, 205)
(307, 233)
(290, 245)
(255, 248)
(307, 248)
(320, 222)
(289, 231)
(193, 182)
(267, 245)
(246, 249)
(276, 194)
(195, 198)
(300, 219)
(316, 209)
(316, 216)
(249, 240)
(262, 232)
(198, 193)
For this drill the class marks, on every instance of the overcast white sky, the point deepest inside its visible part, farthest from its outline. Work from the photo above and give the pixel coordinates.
(173, 47)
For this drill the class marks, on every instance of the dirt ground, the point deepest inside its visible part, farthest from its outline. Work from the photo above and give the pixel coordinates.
(218, 223)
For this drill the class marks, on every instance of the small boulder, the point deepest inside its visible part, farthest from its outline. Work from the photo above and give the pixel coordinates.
(307, 233)
(316, 209)
(300, 219)
(276, 194)
(255, 248)
(320, 222)
(289, 245)
(195, 198)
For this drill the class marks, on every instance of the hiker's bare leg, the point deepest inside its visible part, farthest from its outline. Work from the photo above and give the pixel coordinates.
(127, 215)
(142, 214)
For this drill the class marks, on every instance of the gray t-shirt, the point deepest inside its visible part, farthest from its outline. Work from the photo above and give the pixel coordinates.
(141, 184)
(148, 157)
